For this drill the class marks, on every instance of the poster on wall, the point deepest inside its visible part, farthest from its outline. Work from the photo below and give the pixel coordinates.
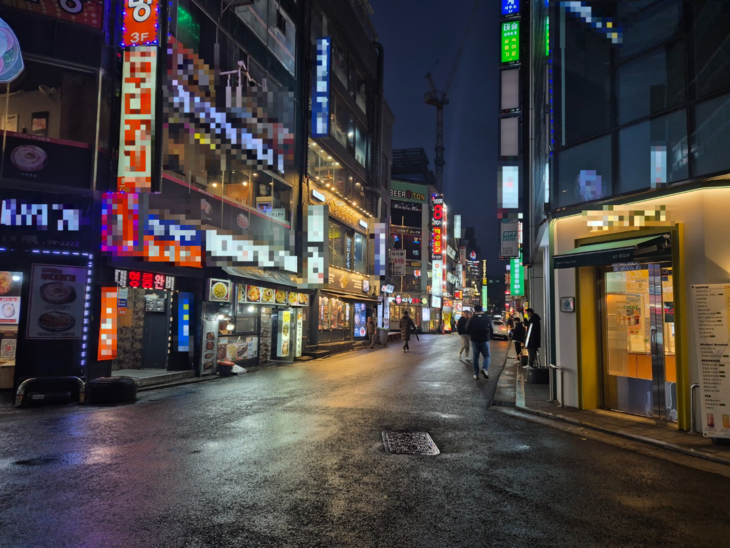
(284, 333)
(57, 297)
(712, 336)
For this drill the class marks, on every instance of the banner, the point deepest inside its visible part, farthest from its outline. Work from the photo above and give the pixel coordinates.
(57, 299)
(437, 267)
(509, 242)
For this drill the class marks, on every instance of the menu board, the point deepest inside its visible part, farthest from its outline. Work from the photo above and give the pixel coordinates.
(57, 295)
(208, 358)
(298, 349)
(712, 333)
(9, 310)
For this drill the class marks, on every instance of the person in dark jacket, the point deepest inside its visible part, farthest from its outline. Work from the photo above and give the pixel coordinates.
(518, 336)
(461, 330)
(534, 331)
(479, 328)
(406, 324)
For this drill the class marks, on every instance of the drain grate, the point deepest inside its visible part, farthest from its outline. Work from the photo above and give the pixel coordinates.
(409, 443)
(500, 403)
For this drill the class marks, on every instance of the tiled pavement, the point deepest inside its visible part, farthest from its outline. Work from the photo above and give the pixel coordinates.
(533, 398)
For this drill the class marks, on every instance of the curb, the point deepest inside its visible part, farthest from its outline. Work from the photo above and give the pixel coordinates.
(633, 437)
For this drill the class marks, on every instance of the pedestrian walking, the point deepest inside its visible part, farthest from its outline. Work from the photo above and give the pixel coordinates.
(479, 328)
(406, 324)
(518, 336)
(370, 328)
(534, 331)
(461, 330)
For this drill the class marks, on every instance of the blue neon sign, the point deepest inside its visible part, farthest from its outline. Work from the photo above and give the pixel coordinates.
(321, 92)
(510, 7)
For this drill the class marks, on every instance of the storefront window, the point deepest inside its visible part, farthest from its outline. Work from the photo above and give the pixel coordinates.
(47, 141)
(361, 254)
(273, 26)
(339, 63)
(343, 126)
(361, 94)
(326, 170)
(712, 133)
(651, 83)
(584, 173)
(711, 46)
(334, 314)
(361, 144)
(653, 153)
(272, 196)
(337, 235)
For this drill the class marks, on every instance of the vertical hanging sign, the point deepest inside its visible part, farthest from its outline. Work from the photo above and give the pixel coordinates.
(516, 288)
(140, 23)
(510, 7)
(138, 120)
(321, 92)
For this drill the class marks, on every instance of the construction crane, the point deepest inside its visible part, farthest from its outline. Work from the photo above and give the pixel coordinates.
(440, 99)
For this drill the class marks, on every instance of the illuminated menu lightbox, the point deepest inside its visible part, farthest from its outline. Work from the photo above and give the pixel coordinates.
(510, 42)
(510, 7)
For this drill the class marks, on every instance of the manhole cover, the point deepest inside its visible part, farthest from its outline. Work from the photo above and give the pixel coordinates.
(409, 443)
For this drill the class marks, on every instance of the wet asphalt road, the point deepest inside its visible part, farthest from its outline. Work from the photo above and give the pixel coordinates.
(292, 456)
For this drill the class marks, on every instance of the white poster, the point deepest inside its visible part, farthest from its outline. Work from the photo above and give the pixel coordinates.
(509, 242)
(57, 297)
(712, 333)
(398, 260)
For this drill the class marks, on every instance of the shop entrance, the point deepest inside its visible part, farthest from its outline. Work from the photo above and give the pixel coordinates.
(637, 317)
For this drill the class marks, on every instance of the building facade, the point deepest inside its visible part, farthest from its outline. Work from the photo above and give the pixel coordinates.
(639, 96)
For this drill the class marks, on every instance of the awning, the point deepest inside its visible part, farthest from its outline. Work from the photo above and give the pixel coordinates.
(620, 251)
(269, 276)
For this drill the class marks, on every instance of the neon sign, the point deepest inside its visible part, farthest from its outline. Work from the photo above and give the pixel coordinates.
(510, 7)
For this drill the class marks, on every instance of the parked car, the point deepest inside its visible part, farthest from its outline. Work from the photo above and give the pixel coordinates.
(500, 330)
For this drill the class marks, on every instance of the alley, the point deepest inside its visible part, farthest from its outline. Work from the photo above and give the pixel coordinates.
(293, 456)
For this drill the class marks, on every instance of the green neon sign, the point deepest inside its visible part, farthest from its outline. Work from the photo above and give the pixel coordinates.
(516, 279)
(510, 42)
(485, 300)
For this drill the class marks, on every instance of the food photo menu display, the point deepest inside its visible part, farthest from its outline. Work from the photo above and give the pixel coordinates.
(57, 297)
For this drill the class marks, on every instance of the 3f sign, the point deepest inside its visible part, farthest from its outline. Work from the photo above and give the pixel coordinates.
(140, 23)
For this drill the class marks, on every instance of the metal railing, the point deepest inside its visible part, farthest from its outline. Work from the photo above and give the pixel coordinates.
(692, 409)
(20, 394)
(562, 392)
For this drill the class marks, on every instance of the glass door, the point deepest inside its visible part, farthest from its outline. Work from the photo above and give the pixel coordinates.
(639, 369)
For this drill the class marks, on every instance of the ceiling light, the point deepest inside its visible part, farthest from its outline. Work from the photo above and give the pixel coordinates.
(250, 308)
(215, 184)
(245, 183)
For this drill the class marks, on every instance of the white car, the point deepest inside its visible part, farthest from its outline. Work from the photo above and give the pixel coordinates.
(500, 330)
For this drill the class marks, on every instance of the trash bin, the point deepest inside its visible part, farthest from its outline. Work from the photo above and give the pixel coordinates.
(383, 336)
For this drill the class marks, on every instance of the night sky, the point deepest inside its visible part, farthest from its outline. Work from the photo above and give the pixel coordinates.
(416, 34)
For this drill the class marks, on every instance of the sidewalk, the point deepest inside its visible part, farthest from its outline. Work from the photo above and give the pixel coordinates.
(533, 398)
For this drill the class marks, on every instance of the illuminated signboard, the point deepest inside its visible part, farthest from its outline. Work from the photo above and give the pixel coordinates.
(140, 22)
(321, 92)
(516, 275)
(457, 226)
(437, 220)
(137, 127)
(12, 57)
(21, 213)
(510, 42)
(510, 7)
(184, 313)
(145, 280)
(485, 300)
(437, 268)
